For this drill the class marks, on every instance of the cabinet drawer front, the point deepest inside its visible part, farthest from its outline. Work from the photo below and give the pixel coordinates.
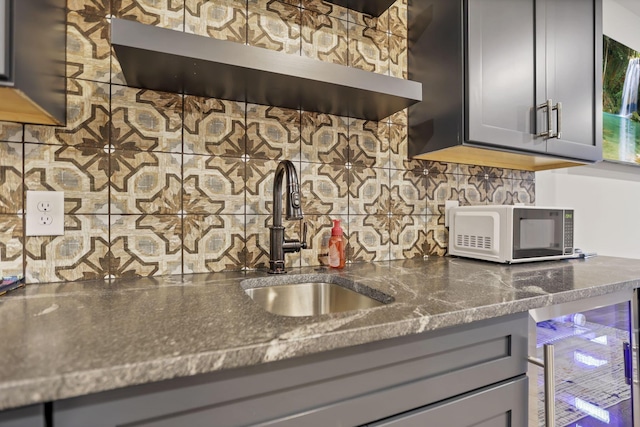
(339, 388)
(28, 416)
(503, 405)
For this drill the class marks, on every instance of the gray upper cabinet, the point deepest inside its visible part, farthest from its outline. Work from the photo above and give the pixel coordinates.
(572, 44)
(501, 74)
(33, 61)
(4, 39)
(490, 70)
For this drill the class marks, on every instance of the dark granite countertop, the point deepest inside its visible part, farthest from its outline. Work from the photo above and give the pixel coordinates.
(70, 339)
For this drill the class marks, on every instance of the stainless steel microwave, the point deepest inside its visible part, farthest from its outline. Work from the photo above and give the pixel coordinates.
(511, 234)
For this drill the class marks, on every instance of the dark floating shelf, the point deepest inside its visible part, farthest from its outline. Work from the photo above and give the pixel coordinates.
(173, 61)
(371, 7)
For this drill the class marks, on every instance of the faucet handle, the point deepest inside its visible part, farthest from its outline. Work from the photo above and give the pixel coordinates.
(303, 243)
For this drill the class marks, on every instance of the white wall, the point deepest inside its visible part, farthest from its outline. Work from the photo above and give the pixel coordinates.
(606, 196)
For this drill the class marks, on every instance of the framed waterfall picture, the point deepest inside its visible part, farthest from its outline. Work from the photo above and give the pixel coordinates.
(621, 119)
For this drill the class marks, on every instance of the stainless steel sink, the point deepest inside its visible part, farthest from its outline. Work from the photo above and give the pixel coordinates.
(312, 298)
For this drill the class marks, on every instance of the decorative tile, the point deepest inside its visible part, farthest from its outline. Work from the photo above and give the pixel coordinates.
(408, 236)
(378, 23)
(400, 118)
(145, 182)
(88, 48)
(408, 193)
(80, 254)
(440, 188)
(213, 243)
(295, 3)
(324, 38)
(398, 19)
(258, 241)
(274, 25)
(213, 126)
(117, 76)
(11, 244)
(11, 132)
(398, 57)
(368, 238)
(324, 138)
(471, 190)
(87, 118)
(10, 178)
(273, 133)
(368, 49)
(318, 235)
(100, 8)
(368, 143)
(145, 245)
(437, 235)
(324, 189)
(326, 8)
(213, 185)
(146, 120)
(522, 192)
(368, 191)
(223, 20)
(259, 186)
(82, 173)
(498, 190)
(435, 168)
(522, 175)
(161, 13)
(399, 148)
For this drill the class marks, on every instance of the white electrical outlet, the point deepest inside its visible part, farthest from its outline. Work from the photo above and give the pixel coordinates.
(45, 213)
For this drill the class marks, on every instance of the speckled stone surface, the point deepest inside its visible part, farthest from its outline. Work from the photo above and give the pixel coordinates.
(65, 340)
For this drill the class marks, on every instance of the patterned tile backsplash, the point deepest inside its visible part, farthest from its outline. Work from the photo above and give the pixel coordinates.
(162, 183)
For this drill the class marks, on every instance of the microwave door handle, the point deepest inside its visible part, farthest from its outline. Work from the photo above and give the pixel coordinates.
(549, 384)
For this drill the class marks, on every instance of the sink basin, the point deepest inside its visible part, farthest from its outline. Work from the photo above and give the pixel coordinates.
(304, 296)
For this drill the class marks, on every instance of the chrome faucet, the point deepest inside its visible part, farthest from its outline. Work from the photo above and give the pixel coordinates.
(279, 245)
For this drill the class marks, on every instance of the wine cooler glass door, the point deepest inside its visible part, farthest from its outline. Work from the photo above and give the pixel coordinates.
(592, 363)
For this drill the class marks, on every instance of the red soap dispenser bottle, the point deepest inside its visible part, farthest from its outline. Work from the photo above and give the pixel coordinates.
(336, 246)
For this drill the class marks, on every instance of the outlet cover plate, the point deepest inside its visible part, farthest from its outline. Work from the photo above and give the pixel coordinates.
(45, 222)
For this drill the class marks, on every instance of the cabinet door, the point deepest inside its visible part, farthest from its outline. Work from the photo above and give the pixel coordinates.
(504, 405)
(570, 72)
(5, 48)
(501, 74)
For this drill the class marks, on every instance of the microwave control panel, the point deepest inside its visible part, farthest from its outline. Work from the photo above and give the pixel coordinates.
(568, 232)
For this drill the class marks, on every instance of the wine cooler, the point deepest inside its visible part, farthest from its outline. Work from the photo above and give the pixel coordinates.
(583, 363)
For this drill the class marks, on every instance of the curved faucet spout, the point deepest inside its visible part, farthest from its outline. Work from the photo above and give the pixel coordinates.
(294, 208)
(278, 244)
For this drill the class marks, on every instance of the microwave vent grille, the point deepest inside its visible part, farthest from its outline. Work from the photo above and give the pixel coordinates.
(471, 241)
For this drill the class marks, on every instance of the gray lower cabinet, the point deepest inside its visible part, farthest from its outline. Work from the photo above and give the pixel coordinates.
(348, 387)
(496, 406)
(29, 416)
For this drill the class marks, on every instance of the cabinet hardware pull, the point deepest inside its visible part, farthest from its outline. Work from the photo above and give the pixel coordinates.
(549, 106)
(626, 349)
(549, 383)
(558, 109)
